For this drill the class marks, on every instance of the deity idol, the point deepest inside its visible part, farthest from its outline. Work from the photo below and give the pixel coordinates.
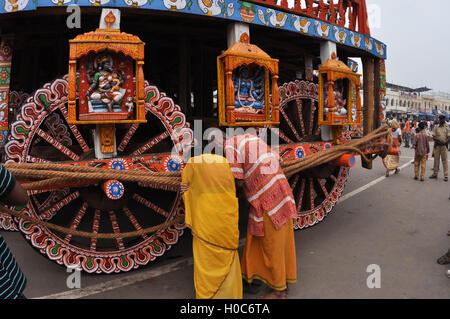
(339, 102)
(105, 83)
(249, 90)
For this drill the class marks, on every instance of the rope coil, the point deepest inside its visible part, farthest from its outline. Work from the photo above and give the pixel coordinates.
(49, 174)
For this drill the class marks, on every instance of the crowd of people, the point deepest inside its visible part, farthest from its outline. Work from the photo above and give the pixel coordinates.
(417, 135)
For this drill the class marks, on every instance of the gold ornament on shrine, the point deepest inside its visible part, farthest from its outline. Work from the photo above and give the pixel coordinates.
(339, 97)
(106, 77)
(248, 93)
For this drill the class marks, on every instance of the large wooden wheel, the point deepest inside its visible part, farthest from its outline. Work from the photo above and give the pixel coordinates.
(316, 190)
(40, 133)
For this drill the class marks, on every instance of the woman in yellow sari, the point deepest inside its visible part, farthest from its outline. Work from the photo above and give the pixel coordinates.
(212, 214)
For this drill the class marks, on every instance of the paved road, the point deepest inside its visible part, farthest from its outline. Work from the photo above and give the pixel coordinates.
(397, 223)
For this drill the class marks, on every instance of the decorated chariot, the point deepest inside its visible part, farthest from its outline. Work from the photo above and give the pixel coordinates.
(123, 95)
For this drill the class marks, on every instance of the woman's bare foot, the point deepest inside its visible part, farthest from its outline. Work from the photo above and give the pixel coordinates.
(275, 294)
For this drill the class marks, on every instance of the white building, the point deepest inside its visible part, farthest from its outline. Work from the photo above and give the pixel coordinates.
(406, 102)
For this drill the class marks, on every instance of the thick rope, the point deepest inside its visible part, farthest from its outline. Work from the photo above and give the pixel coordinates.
(292, 167)
(54, 174)
(43, 172)
(74, 232)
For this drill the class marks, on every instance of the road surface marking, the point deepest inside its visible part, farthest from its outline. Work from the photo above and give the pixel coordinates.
(121, 282)
(365, 187)
(125, 281)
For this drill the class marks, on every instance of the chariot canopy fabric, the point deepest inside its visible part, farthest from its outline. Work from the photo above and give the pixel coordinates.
(212, 215)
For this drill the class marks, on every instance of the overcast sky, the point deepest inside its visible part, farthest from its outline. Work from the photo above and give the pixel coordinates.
(417, 35)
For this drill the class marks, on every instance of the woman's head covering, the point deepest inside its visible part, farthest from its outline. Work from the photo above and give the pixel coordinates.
(211, 206)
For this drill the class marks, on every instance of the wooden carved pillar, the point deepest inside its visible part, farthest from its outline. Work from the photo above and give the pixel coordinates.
(377, 93)
(229, 93)
(330, 101)
(383, 106)
(358, 102)
(353, 15)
(140, 103)
(323, 10)
(6, 50)
(369, 100)
(275, 99)
(332, 8)
(342, 9)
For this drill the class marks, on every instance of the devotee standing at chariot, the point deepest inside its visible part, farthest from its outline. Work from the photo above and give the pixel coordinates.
(269, 251)
(397, 140)
(12, 280)
(212, 214)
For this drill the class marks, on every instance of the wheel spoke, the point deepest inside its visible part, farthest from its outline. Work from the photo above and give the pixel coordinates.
(38, 191)
(32, 159)
(311, 119)
(133, 220)
(152, 142)
(280, 134)
(36, 202)
(76, 221)
(290, 124)
(311, 192)
(126, 139)
(116, 229)
(74, 129)
(147, 203)
(294, 183)
(95, 228)
(317, 131)
(322, 185)
(51, 198)
(159, 186)
(300, 198)
(57, 145)
(299, 104)
(49, 213)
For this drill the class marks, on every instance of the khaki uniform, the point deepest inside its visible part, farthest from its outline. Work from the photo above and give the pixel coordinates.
(440, 151)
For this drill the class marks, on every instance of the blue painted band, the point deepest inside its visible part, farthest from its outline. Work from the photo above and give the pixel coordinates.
(228, 9)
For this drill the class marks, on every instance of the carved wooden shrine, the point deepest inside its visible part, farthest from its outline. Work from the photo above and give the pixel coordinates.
(107, 62)
(339, 97)
(248, 92)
